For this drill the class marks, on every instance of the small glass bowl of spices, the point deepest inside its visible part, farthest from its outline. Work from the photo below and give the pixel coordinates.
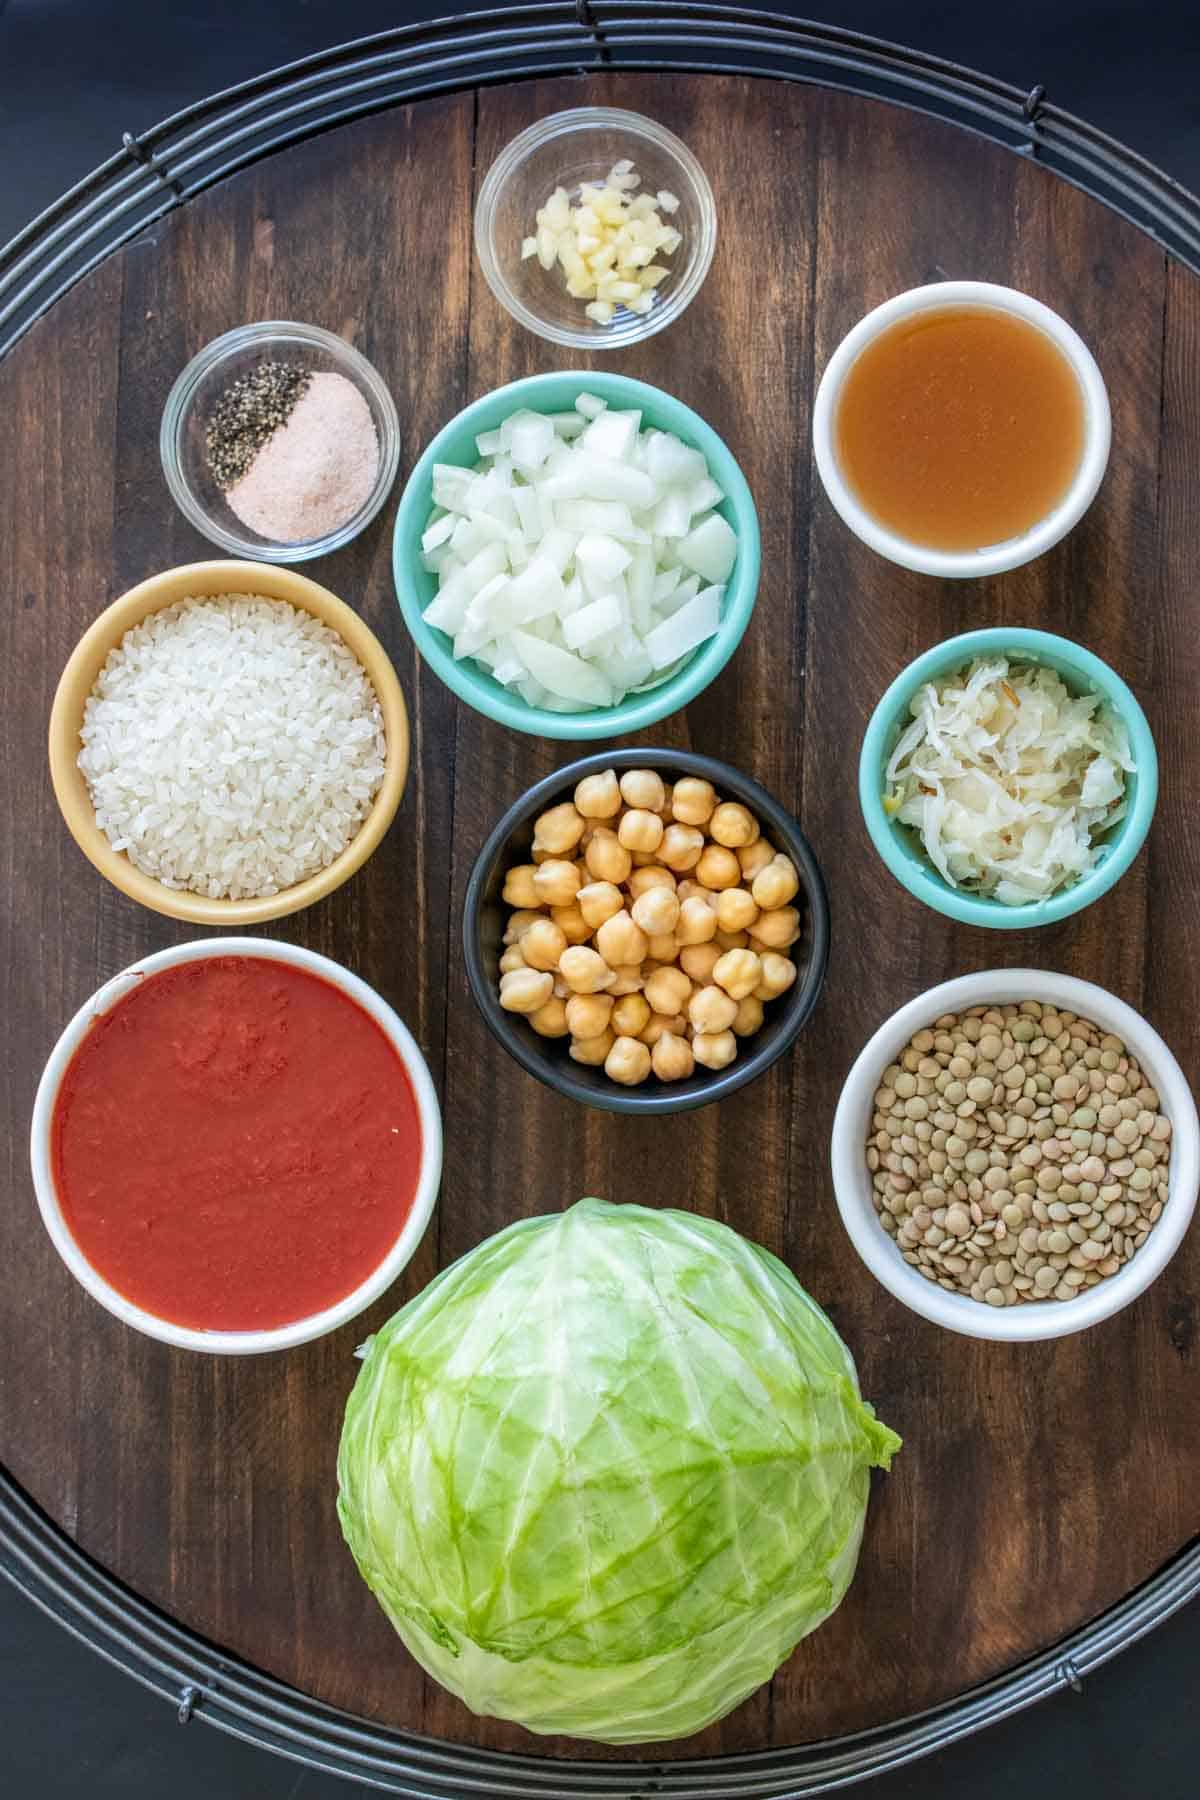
(280, 441)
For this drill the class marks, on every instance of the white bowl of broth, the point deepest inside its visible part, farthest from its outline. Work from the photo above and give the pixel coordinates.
(961, 429)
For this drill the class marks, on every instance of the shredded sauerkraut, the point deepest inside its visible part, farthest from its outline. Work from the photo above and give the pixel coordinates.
(1009, 778)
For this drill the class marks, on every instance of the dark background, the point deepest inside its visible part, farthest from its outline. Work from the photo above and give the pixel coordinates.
(74, 74)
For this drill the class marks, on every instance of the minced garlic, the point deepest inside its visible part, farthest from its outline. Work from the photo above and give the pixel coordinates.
(607, 242)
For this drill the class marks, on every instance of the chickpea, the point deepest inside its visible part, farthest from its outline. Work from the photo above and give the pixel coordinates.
(593, 1050)
(735, 909)
(778, 928)
(775, 885)
(749, 1016)
(598, 901)
(519, 923)
(697, 921)
(627, 979)
(718, 868)
(656, 911)
(627, 1062)
(640, 830)
(518, 887)
(696, 890)
(777, 974)
(738, 972)
(598, 796)
(588, 1015)
(710, 1010)
(681, 847)
(643, 789)
(699, 961)
(571, 923)
(653, 875)
(619, 940)
(584, 971)
(714, 1050)
(733, 825)
(550, 1020)
(672, 1059)
(543, 944)
(607, 858)
(631, 1015)
(558, 830)
(659, 1024)
(525, 990)
(754, 857)
(693, 801)
(651, 942)
(668, 990)
(557, 882)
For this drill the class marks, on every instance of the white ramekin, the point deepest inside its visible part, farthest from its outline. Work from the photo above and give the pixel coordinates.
(298, 1331)
(993, 558)
(852, 1179)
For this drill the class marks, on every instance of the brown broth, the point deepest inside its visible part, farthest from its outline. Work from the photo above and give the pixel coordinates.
(960, 428)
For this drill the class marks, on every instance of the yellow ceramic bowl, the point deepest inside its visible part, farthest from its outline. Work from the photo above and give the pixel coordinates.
(211, 579)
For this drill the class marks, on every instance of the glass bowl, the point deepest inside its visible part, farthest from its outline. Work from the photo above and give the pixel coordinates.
(181, 437)
(562, 151)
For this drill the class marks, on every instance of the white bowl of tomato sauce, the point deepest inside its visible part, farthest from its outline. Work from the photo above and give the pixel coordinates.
(236, 1146)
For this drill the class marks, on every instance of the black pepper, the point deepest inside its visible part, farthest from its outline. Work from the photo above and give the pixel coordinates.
(246, 414)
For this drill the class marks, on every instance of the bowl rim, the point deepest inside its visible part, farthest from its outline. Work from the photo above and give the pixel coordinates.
(298, 1331)
(178, 406)
(561, 124)
(1060, 654)
(851, 1178)
(676, 1097)
(1011, 553)
(634, 712)
(212, 580)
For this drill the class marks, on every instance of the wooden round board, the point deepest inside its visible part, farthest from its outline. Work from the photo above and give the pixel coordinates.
(1038, 1484)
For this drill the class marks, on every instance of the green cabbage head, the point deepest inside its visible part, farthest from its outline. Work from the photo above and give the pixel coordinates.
(607, 1470)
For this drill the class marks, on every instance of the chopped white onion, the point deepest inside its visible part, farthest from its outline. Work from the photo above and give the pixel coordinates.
(581, 559)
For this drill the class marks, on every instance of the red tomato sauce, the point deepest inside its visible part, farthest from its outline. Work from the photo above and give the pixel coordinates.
(236, 1144)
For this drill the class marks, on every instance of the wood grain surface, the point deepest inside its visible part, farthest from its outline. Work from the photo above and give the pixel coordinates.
(1038, 1483)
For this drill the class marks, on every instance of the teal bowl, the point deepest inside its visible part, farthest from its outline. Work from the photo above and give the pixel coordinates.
(901, 848)
(455, 443)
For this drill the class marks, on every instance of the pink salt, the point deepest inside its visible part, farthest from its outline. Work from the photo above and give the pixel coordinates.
(316, 470)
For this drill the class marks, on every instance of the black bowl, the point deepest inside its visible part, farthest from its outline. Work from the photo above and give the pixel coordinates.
(485, 915)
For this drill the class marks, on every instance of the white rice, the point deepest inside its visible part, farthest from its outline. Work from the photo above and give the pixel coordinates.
(232, 746)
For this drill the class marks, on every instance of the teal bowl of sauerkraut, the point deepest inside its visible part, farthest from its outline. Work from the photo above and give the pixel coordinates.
(1008, 778)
